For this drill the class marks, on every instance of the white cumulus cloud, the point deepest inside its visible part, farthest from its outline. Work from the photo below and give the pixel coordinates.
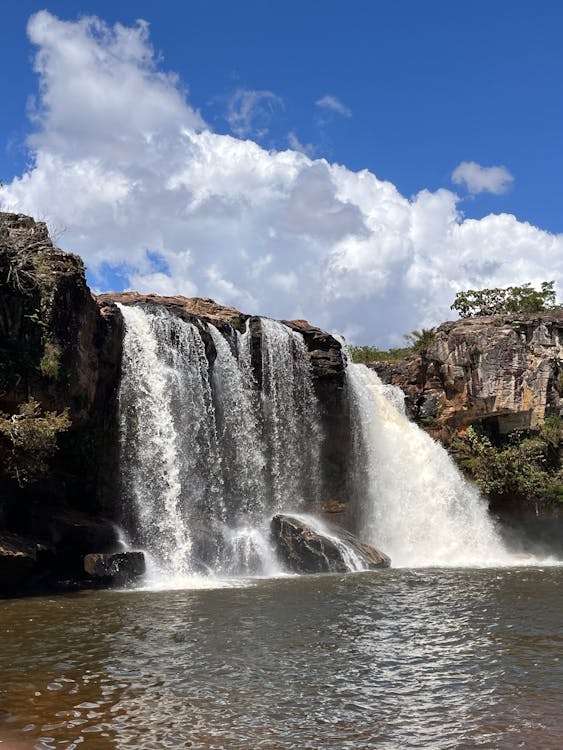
(478, 179)
(150, 195)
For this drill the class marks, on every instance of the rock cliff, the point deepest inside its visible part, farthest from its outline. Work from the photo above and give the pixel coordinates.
(60, 364)
(506, 370)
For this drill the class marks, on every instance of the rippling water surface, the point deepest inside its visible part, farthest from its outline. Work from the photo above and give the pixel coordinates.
(392, 659)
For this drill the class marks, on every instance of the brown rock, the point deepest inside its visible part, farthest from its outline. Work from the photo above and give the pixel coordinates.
(187, 308)
(504, 368)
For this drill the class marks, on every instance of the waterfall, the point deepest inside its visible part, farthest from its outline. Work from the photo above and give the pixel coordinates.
(208, 456)
(416, 505)
(291, 419)
(238, 428)
(169, 474)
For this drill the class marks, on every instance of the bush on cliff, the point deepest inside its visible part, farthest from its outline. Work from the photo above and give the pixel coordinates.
(365, 354)
(28, 440)
(523, 464)
(418, 341)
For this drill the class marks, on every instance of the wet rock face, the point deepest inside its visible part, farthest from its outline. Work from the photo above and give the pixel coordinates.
(119, 569)
(62, 347)
(305, 550)
(503, 368)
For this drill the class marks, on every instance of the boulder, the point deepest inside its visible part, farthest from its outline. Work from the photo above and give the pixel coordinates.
(307, 545)
(116, 569)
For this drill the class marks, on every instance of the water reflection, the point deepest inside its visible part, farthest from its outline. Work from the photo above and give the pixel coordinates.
(410, 659)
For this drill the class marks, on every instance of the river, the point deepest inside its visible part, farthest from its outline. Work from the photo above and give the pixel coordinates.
(427, 658)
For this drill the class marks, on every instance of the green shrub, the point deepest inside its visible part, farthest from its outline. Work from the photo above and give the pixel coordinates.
(417, 341)
(28, 440)
(421, 340)
(522, 464)
(50, 363)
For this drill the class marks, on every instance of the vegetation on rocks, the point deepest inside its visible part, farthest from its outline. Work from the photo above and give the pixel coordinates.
(366, 354)
(523, 464)
(28, 440)
(417, 341)
(51, 360)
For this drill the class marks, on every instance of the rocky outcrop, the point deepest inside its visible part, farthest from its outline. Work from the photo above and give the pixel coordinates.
(505, 369)
(310, 547)
(502, 375)
(50, 557)
(59, 348)
(327, 360)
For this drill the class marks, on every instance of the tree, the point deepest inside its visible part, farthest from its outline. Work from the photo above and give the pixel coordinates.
(512, 299)
(420, 340)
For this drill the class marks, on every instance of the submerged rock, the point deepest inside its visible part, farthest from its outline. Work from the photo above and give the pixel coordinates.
(118, 569)
(314, 547)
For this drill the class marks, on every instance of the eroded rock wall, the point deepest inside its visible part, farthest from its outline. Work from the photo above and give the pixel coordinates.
(507, 369)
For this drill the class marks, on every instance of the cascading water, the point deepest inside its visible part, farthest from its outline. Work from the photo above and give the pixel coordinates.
(291, 429)
(170, 475)
(211, 452)
(207, 456)
(238, 429)
(416, 505)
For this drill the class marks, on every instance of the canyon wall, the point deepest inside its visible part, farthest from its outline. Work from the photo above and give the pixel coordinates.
(480, 383)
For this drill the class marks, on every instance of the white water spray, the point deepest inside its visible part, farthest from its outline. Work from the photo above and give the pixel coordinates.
(290, 416)
(416, 505)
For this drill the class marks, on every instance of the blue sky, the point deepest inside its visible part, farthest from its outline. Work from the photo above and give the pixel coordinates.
(406, 90)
